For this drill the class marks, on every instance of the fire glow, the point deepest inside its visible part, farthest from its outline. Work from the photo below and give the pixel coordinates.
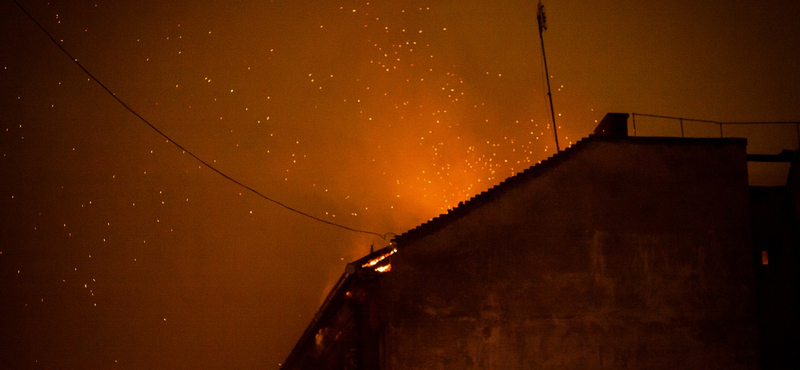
(377, 260)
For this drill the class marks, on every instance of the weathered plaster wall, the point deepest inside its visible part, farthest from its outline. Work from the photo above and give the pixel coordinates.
(631, 254)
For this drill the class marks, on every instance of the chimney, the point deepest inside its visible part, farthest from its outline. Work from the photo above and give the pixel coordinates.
(613, 125)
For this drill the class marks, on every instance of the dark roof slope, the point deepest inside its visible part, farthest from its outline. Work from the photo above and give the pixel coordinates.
(365, 266)
(543, 167)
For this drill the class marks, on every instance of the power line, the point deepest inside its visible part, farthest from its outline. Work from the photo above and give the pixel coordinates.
(231, 179)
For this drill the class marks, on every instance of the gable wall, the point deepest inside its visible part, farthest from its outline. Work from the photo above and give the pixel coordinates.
(624, 256)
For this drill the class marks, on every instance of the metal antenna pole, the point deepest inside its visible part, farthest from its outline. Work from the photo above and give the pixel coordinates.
(540, 17)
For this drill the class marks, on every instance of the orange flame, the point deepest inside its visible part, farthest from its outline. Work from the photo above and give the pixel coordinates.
(380, 258)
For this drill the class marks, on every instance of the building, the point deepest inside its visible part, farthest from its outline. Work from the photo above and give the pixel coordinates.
(618, 252)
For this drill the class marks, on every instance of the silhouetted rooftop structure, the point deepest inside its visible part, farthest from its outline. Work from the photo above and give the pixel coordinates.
(644, 252)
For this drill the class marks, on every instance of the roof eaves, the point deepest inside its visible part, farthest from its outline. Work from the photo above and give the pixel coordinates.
(352, 273)
(336, 295)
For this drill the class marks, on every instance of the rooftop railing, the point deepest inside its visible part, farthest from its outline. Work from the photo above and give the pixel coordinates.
(720, 125)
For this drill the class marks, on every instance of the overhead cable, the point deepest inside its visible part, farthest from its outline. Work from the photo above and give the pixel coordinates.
(181, 147)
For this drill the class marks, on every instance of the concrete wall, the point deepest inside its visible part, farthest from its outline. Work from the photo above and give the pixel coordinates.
(632, 253)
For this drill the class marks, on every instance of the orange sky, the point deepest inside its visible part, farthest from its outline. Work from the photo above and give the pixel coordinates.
(118, 251)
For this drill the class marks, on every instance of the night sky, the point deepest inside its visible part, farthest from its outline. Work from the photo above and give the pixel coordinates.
(118, 250)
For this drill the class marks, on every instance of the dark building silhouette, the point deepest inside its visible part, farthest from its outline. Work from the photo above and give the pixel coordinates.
(618, 252)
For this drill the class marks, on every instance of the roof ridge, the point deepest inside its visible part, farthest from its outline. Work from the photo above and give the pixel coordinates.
(492, 193)
(533, 172)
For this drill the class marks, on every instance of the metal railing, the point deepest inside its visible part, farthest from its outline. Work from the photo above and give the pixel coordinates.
(718, 123)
